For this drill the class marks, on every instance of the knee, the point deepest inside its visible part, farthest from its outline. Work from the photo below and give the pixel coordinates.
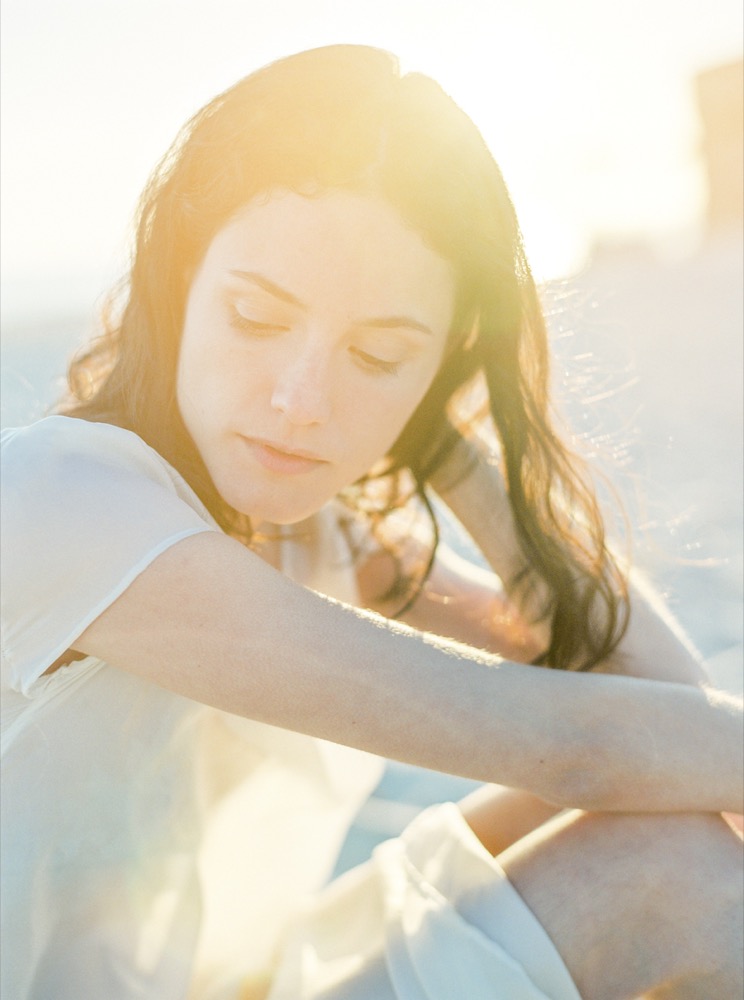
(687, 874)
(701, 844)
(686, 851)
(656, 894)
(682, 867)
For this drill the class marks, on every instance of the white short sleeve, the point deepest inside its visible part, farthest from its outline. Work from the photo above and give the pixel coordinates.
(85, 508)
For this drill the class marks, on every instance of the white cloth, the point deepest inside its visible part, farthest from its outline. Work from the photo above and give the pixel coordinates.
(141, 829)
(431, 916)
(156, 848)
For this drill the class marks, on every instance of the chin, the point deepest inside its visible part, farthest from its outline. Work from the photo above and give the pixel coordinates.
(269, 510)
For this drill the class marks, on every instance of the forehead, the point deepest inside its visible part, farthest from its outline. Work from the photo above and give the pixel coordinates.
(351, 245)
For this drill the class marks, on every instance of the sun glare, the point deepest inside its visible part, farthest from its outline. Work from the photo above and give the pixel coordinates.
(596, 126)
(590, 116)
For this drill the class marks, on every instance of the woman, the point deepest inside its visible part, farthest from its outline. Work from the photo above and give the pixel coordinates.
(328, 311)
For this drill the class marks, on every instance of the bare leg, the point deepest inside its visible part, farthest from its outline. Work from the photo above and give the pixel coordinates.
(638, 904)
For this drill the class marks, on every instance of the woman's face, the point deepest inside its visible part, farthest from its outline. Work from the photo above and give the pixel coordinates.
(313, 328)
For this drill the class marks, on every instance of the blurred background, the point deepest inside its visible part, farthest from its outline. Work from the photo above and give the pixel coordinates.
(591, 108)
(619, 130)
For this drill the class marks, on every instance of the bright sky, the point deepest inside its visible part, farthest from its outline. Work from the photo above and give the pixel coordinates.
(588, 106)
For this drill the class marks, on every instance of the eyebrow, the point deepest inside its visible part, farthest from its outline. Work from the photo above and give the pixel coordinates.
(377, 322)
(393, 322)
(269, 286)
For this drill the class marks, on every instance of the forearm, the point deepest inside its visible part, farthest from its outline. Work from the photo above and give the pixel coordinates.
(576, 740)
(473, 489)
(335, 672)
(653, 645)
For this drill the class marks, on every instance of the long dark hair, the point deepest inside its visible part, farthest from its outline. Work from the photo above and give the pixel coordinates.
(344, 117)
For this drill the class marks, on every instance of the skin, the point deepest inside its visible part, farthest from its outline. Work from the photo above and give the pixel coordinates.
(268, 378)
(304, 315)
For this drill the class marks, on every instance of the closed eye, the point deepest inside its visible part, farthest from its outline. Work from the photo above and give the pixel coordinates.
(255, 327)
(374, 364)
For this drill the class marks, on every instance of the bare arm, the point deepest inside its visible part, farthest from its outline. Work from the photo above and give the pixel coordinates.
(469, 603)
(209, 620)
(459, 600)
(653, 646)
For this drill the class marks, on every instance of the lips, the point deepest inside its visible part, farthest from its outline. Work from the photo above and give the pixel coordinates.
(275, 458)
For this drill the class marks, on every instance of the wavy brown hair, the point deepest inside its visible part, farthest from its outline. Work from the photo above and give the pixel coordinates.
(344, 117)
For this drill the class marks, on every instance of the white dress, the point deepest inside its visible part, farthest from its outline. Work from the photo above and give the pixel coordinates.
(156, 848)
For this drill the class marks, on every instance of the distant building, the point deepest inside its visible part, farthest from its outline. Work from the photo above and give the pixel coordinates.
(720, 97)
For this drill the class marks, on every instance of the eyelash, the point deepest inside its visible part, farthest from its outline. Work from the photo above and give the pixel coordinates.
(252, 326)
(376, 366)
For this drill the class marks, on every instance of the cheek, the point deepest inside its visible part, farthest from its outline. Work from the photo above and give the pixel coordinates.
(199, 390)
(189, 376)
(207, 371)
(388, 416)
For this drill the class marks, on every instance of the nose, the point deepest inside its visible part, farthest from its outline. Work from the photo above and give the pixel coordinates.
(302, 391)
